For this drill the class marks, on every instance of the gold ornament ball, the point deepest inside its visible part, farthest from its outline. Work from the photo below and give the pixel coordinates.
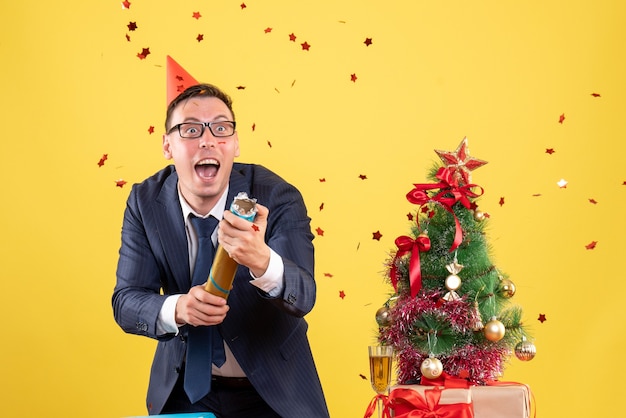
(494, 330)
(507, 288)
(479, 215)
(453, 282)
(431, 368)
(525, 350)
(383, 317)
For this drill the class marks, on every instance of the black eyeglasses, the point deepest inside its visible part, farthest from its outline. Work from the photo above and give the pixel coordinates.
(196, 129)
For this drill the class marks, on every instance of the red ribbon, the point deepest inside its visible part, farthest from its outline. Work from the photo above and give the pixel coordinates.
(452, 192)
(427, 406)
(414, 246)
(371, 408)
(446, 380)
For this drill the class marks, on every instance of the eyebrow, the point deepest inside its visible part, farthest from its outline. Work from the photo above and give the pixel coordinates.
(218, 118)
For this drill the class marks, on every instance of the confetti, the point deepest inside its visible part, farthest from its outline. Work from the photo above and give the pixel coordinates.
(125, 4)
(269, 144)
(243, 6)
(550, 151)
(305, 46)
(593, 201)
(292, 37)
(328, 275)
(200, 37)
(562, 183)
(132, 26)
(542, 318)
(353, 77)
(144, 53)
(196, 15)
(591, 245)
(362, 376)
(562, 118)
(501, 202)
(120, 183)
(267, 30)
(323, 180)
(322, 206)
(362, 176)
(319, 231)
(342, 294)
(256, 228)
(595, 94)
(376, 235)
(103, 159)
(368, 41)
(241, 87)
(409, 216)
(151, 130)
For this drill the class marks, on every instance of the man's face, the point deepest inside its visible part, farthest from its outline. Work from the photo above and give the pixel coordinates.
(203, 164)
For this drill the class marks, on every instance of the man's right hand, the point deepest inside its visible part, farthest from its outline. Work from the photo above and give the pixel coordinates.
(199, 307)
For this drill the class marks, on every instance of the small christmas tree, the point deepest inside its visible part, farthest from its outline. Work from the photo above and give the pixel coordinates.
(451, 308)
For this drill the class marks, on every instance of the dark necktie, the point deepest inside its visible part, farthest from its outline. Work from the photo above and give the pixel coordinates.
(204, 344)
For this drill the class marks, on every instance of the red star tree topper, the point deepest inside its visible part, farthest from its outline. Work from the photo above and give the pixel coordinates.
(460, 161)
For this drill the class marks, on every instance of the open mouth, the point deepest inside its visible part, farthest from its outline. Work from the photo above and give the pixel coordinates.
(207, 168)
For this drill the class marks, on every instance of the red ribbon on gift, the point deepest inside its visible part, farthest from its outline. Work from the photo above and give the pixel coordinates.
(371, 408)
(426, 406)
(451, 193)
(447, 381)
(414, 246)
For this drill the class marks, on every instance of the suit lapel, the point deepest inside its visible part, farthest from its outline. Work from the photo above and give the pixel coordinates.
(171, 230)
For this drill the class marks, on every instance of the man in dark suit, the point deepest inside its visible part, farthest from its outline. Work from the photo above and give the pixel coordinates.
(269, 369)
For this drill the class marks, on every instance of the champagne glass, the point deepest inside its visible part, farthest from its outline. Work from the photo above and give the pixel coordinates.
(381, 357)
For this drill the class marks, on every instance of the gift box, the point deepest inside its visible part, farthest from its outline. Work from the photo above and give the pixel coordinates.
(410, 400)
(501, 400)
(498, 400)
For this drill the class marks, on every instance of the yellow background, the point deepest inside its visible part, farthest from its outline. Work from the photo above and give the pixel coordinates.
(500, 73)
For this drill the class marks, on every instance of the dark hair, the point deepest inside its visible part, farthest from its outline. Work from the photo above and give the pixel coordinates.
(199, 90)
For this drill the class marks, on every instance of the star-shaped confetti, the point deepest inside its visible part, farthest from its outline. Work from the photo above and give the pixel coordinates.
(550, 151)
(103, 159)
(409, 216)
(292, 37)
(593, 201)
(377, 235)
(368, 41)
(501, 202)
(120, 183)
(144, 53)
(561, 118)
(255, 228)
(323, 180)
(132, 26)
(562, 183)
(595, 94)
(125, 4)
(243, 6)
(196, 15)
(200, 37)
(460, 161)
(362, 176)
(328, 275)
(305, 46)
(591, 245)
(322, 207)
(342, 294)
(319, 231)
(353, 77)
(542, 318)
(268, 30)
(151, 130)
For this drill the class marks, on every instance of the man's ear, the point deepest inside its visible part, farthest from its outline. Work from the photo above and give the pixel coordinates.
(167, 152)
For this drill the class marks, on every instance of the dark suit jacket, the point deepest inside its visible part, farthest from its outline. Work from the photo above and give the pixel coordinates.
(266, 335)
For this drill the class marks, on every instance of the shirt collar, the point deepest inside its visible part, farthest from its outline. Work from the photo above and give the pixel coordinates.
(217, 211)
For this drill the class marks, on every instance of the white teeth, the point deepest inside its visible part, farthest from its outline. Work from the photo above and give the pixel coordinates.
(207, 161)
